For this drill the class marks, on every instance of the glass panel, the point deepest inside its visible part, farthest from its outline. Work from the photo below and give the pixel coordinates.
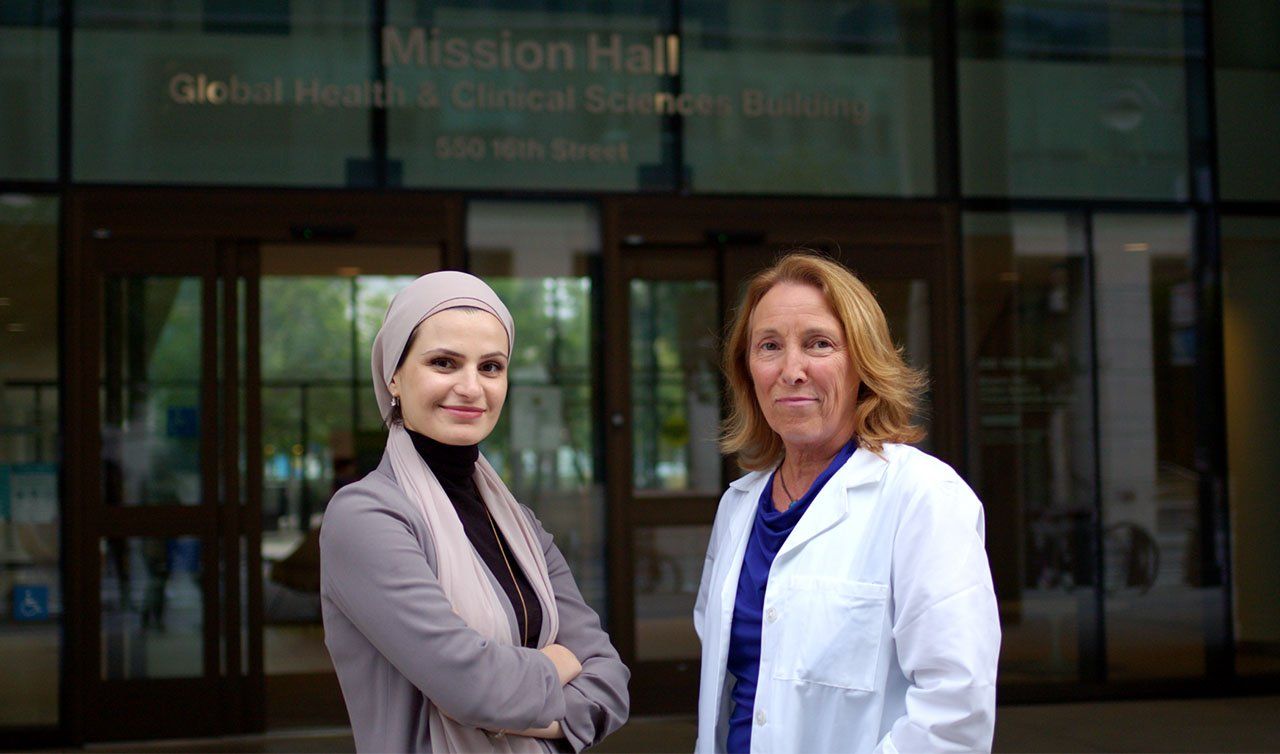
(906, 306)
(1250, 321)
(1156, 602)
(152, 608)
(31, 605)
(1079, 99)
(266, 93)
(675, 386)
(811, 97)
(151, 404)
(543, 260)
(1031, 440)
(565, 95)
(29, 91)
(668, 563)
(1247, 93)
(321, 306)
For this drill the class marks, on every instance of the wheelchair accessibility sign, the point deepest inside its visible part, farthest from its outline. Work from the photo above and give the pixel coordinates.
(30, 602)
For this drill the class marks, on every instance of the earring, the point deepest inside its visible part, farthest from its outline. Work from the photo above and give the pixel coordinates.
(395, 401)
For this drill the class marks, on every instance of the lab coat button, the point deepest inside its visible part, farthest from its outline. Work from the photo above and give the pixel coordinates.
(771, 615)
(760, 717)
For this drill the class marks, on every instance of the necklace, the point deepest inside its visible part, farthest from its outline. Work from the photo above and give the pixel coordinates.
(524, 609)
(791, 499)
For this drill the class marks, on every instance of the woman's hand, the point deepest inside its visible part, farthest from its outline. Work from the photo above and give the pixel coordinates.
(567, 665)
(551, 731)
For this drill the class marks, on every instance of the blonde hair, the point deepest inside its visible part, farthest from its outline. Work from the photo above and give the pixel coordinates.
(888, 390)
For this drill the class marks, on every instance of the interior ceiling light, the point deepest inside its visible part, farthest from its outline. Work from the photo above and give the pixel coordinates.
(1137, 247)
(16, 327)
(20, 201)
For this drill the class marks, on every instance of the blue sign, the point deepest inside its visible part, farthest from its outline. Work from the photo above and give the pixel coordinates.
(184, 554)
(30, 602)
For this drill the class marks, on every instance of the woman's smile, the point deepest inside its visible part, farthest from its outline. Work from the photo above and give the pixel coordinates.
(464, 412)
(796, 401)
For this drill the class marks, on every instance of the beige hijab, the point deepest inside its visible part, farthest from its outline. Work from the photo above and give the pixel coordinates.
(462, 575)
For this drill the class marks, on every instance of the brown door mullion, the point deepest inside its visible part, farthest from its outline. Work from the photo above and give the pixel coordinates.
(210, 483)
(88, 679)
(621, 597)
(228, 507)
(155, 521)
(254, 696)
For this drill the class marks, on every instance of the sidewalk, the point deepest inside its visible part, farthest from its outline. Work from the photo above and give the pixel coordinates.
(1244, 724)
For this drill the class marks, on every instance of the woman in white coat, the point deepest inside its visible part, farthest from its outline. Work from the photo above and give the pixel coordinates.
(846, 601)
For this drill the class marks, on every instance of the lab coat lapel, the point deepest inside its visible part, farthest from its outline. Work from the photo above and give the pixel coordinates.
(752, 486)
(832, 503)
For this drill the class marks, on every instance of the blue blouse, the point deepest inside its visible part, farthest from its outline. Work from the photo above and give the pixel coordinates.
(768, 533)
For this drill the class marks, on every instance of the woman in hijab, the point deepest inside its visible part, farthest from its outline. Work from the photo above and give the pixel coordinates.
(451, 618)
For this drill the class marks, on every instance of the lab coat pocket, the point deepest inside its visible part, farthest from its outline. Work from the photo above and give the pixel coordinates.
(831, 632)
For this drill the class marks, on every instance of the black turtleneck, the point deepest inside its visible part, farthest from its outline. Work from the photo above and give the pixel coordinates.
(454, 467)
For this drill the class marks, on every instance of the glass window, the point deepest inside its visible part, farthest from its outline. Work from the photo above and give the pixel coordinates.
(563, 95)
(1250, 320)
(809, 97)
(1080, 99)
(1157, 601)
(905, 302)
(1247, 95)
(29, 90)
(152, 608)
(31, 600)
(675, 386)
(321, 306)
(221, 92)
(1031, 439)
(668, 569)
(542, 259)
(152, 371)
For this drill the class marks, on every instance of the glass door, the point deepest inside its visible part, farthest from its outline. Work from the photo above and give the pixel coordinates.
(664, 415)
(668, 306)
(160, 551)
(321, 305)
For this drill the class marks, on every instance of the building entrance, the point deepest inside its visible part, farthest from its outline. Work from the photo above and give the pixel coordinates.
(219, 379)
(672, 282)
(222, 381)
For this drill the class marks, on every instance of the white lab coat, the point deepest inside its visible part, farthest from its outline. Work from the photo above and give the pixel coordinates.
(880, 631)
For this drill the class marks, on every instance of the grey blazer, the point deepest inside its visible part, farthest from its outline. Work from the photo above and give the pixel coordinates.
(399, 648)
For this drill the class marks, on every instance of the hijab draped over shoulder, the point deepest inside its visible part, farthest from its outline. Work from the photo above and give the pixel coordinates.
(461, 574)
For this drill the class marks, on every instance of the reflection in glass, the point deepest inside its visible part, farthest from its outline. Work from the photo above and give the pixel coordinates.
(1251, 319)
(668, 569)
(1246, 62)
(320, 310)
(31, 599)
(1079, 99)
(541, 259)
(222, 93)
(1157, 595)
(1031, 447)
(810, 96)
(906, 308)
(29, 82)
(151, 375)
(675, 388)
(152, 608)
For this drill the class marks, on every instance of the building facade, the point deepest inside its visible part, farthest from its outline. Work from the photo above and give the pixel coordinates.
(1068, 211)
